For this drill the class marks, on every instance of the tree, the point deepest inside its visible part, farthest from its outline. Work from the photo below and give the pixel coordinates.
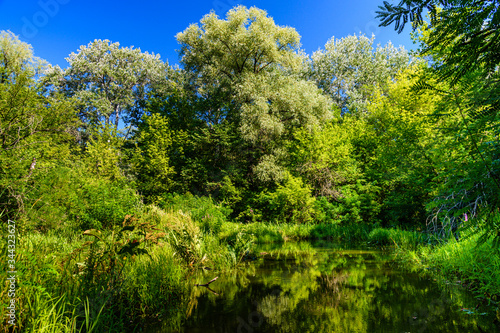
(156, 145)
(242, 76)
(350, 69)
(462, 42)
(400, 145)
(35, 130)
(218, 55)
(103, 153)
(325, 158)
(109, 82)
(468, 29)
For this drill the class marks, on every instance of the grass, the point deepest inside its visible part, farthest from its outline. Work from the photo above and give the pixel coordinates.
(276, 233)
(468, 262)
(69, 281)
(476, 266)
(407, 240)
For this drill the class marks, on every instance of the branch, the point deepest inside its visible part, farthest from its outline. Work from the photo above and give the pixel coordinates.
(206, 284)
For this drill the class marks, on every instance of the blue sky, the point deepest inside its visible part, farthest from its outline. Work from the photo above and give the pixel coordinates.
(55, 28)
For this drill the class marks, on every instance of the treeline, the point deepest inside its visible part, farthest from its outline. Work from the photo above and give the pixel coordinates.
(352, 133)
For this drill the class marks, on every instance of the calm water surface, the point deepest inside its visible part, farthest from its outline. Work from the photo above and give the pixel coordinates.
(319, 287)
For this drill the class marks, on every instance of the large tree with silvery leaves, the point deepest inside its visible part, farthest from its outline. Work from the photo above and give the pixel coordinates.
(244, 72)
(109, 82)
(349, 69)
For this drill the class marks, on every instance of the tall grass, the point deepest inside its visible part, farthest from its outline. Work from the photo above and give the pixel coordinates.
(96, 281)
(407, 240)
(477, 266)
(282, 232)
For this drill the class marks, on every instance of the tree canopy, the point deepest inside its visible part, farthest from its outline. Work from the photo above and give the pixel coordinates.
(109, 82)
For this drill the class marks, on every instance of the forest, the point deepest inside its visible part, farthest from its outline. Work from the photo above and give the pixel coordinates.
(121, 174)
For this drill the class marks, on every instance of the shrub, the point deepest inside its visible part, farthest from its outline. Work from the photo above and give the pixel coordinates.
(291, 202)
(99, 203)
(326, 212)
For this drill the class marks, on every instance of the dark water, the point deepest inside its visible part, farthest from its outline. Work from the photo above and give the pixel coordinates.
(304, 287)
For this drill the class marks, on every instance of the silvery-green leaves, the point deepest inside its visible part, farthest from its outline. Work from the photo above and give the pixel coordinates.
(275, 104)
(109, 81)
(349, 69)
(247, 73)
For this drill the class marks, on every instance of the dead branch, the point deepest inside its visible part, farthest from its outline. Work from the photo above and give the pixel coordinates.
(206, 284)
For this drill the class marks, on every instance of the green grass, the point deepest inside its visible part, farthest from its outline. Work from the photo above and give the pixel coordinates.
(476, 266)
(408, 240)
(98, 280)
(282, 232)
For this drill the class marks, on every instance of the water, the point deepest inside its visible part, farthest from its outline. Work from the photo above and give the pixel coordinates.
(305, 287)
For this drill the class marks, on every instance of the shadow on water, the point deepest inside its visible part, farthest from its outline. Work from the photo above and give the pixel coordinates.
(319, 287)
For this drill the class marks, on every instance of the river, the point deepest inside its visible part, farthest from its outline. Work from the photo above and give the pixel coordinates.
(323, 287)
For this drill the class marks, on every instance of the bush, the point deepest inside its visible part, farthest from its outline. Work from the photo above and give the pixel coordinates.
(67, 194)
(290, 203)
(359, 202)
(99, 203)
(326, 212)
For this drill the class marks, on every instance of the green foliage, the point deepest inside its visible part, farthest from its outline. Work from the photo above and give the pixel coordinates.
(99, 203)
(108, 81)
(467, 32)
(359, 202)
(325, 158)
(201, 209)
(34, 129)
(405, 166)
(325, 211)
(194, 242)
(291, 202)
(153, 282)
(468, 134)
(103, 153)
(461, 43)
(156, 145)
(108, 254)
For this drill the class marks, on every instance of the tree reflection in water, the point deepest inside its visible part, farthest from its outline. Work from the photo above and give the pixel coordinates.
(298, 287)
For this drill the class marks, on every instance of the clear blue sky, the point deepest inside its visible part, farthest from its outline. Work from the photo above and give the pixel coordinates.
(55, 28)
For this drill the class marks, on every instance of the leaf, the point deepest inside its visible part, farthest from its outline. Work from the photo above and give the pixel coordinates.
(93, 232)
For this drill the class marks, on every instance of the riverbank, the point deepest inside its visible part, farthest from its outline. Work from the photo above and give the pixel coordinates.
(467, 262)
(96, 280)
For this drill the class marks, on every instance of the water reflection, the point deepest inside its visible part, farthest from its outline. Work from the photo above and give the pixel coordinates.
(303, 287)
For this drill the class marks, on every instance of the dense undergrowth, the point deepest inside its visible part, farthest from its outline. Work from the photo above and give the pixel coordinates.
(94, 281)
